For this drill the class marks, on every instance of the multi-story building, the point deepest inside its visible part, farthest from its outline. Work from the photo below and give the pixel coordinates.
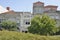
(38, 8)
(23, 18)
(50, 10)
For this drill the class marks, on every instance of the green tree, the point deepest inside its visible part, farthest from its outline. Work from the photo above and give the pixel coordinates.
(9, 25)
(43, 25)
(58, 31)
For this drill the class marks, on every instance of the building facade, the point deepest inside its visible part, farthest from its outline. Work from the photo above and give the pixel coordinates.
(23, 19)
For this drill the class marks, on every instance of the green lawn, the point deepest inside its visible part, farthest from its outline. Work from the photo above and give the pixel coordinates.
(10, 35)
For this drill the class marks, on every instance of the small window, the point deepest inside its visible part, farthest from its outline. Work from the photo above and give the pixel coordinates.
(25, 31)
(28, 23)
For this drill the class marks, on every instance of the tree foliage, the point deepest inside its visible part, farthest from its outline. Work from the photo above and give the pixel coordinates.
(9, 25)
(43, 25)
(58, 31)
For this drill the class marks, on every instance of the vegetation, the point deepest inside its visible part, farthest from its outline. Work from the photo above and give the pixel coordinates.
(9, 35)
(9, 25)
(43, 25)
(58, 32)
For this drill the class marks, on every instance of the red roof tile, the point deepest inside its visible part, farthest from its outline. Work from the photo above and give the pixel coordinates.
(51, 6)
(38, 2)
(10, 12)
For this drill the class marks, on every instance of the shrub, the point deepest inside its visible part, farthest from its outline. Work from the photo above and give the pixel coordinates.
(43, 25)
(9, 25)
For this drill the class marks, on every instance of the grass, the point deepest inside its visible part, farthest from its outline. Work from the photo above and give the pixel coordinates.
(11, 35)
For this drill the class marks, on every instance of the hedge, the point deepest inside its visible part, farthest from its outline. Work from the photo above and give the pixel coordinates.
(11, 35)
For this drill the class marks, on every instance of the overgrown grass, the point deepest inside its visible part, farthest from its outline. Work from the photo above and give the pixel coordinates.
(11, 35)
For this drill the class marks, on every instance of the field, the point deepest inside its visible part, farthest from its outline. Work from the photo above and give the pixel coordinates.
(11, 35)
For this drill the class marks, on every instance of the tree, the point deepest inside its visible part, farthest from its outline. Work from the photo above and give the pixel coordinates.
(58, 32)
(43, 25)
(9, 25)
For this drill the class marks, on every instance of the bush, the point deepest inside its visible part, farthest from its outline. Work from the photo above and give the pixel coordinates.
(43, 25)
(58, 31)
(11, 35)
(9, 25)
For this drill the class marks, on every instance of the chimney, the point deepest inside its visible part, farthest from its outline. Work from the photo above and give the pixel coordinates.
(8, 8)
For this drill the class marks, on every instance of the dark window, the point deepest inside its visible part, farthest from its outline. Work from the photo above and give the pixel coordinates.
(25, 31)
(22, 31)
(27, 22)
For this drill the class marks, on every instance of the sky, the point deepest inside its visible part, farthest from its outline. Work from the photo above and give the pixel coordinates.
(26, 5)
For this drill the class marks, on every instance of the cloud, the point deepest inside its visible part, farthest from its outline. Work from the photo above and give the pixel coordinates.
(2, 10)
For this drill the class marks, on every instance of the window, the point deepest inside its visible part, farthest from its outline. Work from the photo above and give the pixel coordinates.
(27, 16)
(2, 20)
(28, 23)
(57, 17)
(52, 17)
(25, 31)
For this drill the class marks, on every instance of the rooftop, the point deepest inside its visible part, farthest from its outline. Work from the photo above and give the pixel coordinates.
(38, 2)
(51, 6)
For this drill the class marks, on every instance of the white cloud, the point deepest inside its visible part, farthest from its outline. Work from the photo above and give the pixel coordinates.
(2, 10)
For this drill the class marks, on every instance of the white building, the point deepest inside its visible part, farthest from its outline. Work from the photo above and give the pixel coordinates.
(23, 18)
(38, 8)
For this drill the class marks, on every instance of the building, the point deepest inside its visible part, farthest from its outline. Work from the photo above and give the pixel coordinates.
(23, 18)
(38, 7)
(50, 10)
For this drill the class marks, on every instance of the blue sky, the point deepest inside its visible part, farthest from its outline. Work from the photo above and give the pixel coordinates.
(26, 5)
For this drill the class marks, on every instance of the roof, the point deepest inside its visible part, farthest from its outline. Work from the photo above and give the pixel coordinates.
(38, 2)
(50, 6)
(9, 12)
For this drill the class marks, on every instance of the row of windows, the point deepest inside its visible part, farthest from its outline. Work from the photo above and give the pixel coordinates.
(56, 17)
(2, 20)
(40, 10)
